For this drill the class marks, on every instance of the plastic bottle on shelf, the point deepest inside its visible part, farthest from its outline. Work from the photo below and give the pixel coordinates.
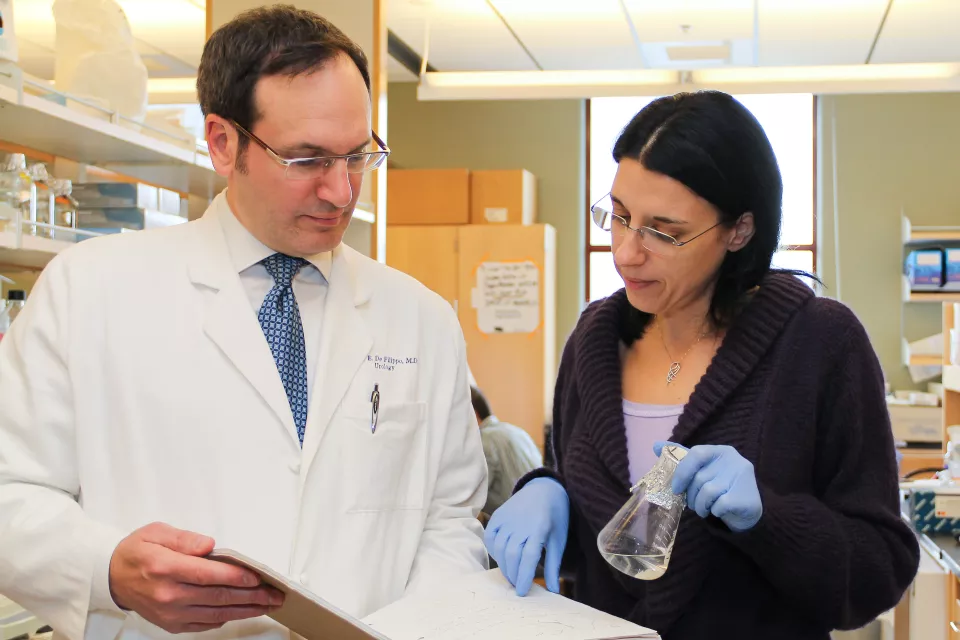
(15, 188)
(16, 300)
(41, 202)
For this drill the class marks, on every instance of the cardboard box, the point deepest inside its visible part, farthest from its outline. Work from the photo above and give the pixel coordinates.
(503, 197)
(428, 196)
(916, 424)
(923, 512)
(952, 270)
(925, 269)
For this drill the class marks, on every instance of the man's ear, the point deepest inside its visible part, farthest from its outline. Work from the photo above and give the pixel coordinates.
(223, 142)
(743, 232)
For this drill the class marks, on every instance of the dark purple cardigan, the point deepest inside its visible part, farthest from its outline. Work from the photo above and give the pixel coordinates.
(797, 389)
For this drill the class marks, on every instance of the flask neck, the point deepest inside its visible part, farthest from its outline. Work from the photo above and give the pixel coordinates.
(660, 476)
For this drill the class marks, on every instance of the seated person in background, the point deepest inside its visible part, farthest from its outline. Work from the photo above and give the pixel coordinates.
(510, 452)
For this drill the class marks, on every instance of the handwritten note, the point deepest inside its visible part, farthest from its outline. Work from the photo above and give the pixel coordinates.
(484, 605)
(507, 297)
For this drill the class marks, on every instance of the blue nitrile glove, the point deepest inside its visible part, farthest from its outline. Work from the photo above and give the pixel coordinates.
(534, 518)
(720, 481)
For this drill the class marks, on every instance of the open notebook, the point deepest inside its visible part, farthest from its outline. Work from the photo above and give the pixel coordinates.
(476, 607)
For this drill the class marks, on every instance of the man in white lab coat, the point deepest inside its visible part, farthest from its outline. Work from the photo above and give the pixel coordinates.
(244, 381)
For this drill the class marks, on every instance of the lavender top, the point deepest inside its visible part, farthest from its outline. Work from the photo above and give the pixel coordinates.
(646, 424)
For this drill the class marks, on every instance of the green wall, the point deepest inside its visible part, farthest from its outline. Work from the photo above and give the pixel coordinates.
(893, 152)
(546, 137)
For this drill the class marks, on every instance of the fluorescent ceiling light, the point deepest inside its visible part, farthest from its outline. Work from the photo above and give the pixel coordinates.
(835, 79)
(547, 78)
(831, 73)
(507, 85)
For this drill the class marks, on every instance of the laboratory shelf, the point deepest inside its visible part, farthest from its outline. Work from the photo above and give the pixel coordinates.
(33, 252)
(951, 378)
(92, 135)
(925, 361)
(938, 297)
(929, 234)
(928, 296)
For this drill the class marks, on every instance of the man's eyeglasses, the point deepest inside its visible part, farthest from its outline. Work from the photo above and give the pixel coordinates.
(653, 241)
(318, 167)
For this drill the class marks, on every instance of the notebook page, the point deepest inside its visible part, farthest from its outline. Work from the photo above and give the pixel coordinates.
(484, 605)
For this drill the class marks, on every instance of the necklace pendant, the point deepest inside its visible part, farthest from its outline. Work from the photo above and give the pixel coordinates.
(674, 371)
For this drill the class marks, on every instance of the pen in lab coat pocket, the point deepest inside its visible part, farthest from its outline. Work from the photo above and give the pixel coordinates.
(375, 407)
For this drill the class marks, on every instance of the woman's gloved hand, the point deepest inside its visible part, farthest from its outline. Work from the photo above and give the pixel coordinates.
(718, 481)
(536, 517)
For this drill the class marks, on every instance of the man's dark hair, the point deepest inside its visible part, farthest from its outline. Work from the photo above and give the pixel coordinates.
(266, 41)
(480, 404)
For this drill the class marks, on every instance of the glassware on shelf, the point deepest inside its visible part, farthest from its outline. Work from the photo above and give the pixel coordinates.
(638, 540)
(16, 189)
(65, 209)
(41, 203)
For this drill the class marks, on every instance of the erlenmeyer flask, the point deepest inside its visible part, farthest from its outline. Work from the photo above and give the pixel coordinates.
(638, 540)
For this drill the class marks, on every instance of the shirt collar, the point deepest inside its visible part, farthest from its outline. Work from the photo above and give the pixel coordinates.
(246, 250)
(489, 421)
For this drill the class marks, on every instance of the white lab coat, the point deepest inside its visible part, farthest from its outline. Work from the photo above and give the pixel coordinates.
(137, 386)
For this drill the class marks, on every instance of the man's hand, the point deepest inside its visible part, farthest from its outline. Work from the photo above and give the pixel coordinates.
(160, 573)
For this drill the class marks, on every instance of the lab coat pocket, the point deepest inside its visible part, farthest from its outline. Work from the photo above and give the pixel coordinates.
(387, 464)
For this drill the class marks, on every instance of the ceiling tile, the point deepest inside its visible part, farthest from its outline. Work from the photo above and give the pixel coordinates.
(816, 32)
(465, 35)
(573, 34)
(920, 31)
(691, 20)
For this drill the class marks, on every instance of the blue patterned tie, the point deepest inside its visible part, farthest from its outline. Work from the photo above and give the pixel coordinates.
(280, 321)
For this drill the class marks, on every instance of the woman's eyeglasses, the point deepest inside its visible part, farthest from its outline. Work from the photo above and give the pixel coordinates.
(654, 241)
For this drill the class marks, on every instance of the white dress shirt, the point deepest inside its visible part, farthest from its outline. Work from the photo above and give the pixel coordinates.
(309, 285)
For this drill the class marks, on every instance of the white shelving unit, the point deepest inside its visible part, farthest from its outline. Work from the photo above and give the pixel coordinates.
(30, 248)
(936, 297)
(951, 378)
(33, 252)
(92, 135)
(918, 236)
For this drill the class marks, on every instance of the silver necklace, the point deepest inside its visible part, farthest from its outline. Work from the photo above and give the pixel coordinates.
(674, 370)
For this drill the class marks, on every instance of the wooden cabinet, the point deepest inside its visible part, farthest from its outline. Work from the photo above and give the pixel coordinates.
(502, 281)
(429, 254)
(428, 196)
(513, 358)
(953, 607)
(503, 197)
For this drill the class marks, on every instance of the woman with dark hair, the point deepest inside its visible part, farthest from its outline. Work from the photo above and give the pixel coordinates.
(793, 526)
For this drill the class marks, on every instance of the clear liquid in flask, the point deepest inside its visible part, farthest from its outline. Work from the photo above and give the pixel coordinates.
(640, 567)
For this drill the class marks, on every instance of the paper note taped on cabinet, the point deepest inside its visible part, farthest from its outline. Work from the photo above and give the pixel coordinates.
(484, 605)
(507, 297)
